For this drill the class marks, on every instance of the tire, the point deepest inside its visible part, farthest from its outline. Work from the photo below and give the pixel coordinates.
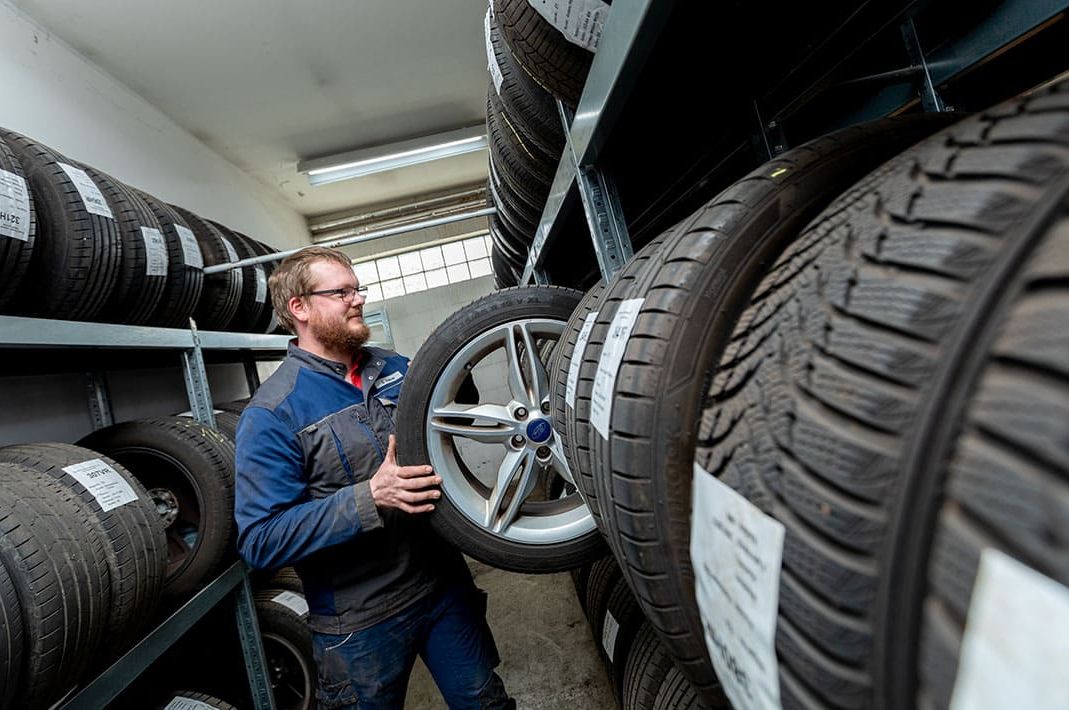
(268, 321)
(75, 260)
(135, 546)
(506, 243)
(520, 533)
(620, 623)
(517, 164)
(580, 578)
(521, 231)
(542, 51)
(505, 275)
(187, 699)
(11, 638)
(253, 284)
(188, 470)
(56, 560)
(14, 252)
(237, 406)
(694, 286)
(185, 271)
(677, 693)
(645, 669)
(227, 424)
(532, 108)
(221, 294)
(862, 343)
(288, 647)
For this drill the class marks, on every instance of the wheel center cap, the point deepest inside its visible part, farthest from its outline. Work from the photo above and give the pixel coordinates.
(539, 431)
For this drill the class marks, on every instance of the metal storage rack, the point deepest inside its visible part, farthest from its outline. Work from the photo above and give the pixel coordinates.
(851, 62)
(188, 347)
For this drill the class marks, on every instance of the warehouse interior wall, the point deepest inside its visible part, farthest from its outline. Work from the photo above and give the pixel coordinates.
(57, 96)
(414, 316)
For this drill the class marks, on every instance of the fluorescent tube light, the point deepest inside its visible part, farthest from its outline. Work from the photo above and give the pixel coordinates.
(377, 159)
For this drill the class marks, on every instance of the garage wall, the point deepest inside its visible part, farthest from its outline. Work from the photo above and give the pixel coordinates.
(57, 96)
(414, 316)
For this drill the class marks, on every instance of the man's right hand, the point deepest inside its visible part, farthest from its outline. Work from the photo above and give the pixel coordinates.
(406, 488)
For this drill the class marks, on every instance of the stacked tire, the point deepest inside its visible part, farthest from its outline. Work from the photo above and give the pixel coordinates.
(78, 244)
(532, 63)
(849, 369)
(82, 554)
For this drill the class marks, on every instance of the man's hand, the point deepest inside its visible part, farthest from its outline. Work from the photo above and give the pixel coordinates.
(404, 487)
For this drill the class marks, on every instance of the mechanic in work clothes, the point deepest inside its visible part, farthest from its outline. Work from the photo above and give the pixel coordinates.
(318, 487)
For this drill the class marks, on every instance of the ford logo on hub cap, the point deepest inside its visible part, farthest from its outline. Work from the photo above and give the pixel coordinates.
(539, 430)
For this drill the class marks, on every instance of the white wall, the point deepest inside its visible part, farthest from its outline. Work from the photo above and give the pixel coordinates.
(413, 317)
(55, 95)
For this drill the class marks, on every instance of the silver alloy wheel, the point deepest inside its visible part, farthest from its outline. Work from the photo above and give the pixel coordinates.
(520, 429)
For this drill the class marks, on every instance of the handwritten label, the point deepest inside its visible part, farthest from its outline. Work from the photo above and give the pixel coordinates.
(14, 207)
(612, 353)
(293, 601)
(737, 551)
(190, 249)
(580, 21)
(104, 483)
(609, 631)
(577, 358)
(1016, 639)
(92, 197)
(155, 252)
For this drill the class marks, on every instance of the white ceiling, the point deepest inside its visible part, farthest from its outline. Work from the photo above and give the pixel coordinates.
(267, 83)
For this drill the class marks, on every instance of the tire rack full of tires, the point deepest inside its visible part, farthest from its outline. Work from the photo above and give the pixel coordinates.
(886, 386)
(78, 244)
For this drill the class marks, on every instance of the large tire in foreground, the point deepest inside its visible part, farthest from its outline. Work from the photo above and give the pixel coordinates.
(840, 400)
(55, 558)
(136, 548)
(11, 638)
(188, 470)
(688, 295)
(502, 340)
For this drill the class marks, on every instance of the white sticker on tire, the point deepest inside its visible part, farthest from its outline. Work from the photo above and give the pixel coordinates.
(736, 551)
(577, 358)
(190, 249)
(491, 58)
(261, 284)
(580, 21)
(92, 197)
(231, 255)
(103, 482)
(14, 207)
(1016, 639)
(612, 352)
(180, 702)
(292, 601)
(155, 252)
(609, 631)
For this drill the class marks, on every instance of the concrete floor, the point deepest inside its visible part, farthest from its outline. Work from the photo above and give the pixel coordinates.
(548, 657)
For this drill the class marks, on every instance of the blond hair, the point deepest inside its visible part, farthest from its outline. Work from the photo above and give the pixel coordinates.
(291, 278)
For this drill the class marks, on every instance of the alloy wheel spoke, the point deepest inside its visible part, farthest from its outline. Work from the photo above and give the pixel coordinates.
(517, 384)
(540, 380)
(559, 461)
(489, 423)
(518, 473)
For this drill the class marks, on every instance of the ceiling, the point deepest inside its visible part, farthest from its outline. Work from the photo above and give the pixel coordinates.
(266, 83)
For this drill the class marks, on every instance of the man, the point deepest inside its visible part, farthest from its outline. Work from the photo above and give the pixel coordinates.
(318, 487)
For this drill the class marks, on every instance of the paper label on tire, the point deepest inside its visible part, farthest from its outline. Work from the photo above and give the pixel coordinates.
(292, 601)
(190, 249)
(231, 255)
(580, 21)
(577, 358)
(491, 58)
(92, 197)
(155, 252)
(14, 207)
(261, 284)
(609, 632)
(103, 482)
(736, 551)
(180, 702)
(1016, 639)
(612, 353)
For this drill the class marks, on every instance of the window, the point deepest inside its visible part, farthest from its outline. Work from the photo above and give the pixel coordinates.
(426, 268)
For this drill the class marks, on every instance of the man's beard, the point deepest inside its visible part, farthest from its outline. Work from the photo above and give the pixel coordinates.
(340, 334)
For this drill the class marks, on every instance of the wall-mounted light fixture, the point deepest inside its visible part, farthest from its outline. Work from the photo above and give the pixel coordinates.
(377, 159)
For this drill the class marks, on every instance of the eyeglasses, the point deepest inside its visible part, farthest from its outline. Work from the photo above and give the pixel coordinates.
(342, 294)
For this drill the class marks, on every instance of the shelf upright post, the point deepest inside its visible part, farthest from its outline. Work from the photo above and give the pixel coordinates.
(252, 375)
(252, 648)
(99, 400)
(200, 397)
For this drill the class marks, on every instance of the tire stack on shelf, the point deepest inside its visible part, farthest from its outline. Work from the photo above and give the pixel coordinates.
(850, 371)
(535, 56)
(78, 244)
